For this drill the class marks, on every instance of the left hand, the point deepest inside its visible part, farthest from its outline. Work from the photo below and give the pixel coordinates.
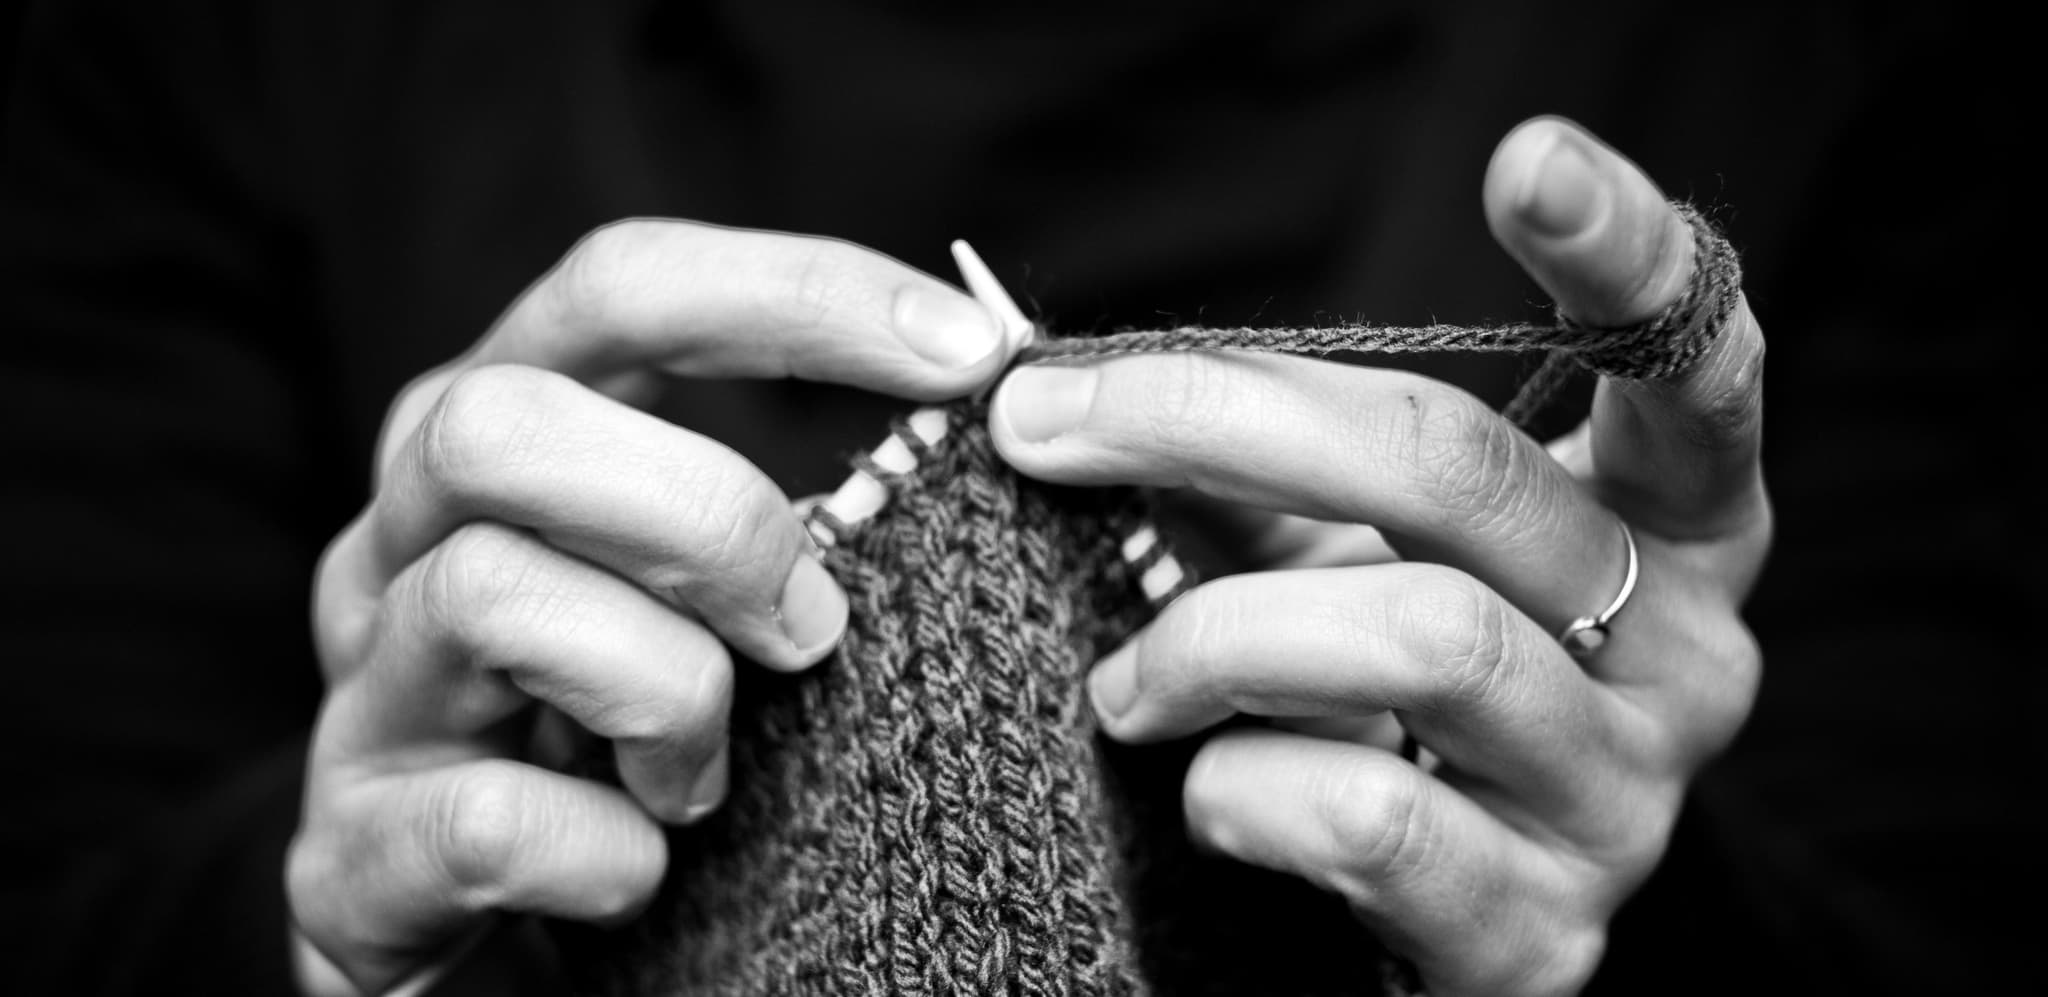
(1498, 870)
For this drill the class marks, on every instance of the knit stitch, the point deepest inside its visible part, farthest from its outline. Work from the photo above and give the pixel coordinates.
(931, 812)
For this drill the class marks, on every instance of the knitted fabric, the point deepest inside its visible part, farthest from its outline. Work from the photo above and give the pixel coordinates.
(931, 810)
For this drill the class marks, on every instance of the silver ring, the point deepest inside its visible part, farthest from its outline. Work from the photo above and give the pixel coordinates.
(1584, 635)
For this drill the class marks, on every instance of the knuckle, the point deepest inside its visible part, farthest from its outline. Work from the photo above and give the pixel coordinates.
(694, 718)
(822, 283)
(1741, 671)
(1183, 400)
(1640, 836)
(1611, 851)
(1181, 650)
(736, 528)
(344, 618)
(309, 880)
(487, 420)
(474, 825)
(470, 579)
(1459, 629)
(1728, 692)
(1729, 410)
(710, 702)
(598, 277)
(1745, 672)
(319, 897)
(1375, 813)
(1468, 462)
(1168, 404)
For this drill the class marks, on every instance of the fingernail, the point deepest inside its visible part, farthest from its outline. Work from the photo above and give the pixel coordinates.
(945, 327)
(813, 609)
(1043, 403)
(709, 789)
(1563, 195)
(1114, 684)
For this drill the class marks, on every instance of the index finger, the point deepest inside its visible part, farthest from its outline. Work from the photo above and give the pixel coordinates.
(1678, 455)
(707, 301)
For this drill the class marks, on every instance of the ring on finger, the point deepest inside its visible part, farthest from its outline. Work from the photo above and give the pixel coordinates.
(1583, 636)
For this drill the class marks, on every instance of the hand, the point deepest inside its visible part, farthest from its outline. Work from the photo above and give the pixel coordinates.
(1497, 870)
(535, 539)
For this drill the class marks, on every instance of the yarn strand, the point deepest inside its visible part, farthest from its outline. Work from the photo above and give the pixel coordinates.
(1663, 346)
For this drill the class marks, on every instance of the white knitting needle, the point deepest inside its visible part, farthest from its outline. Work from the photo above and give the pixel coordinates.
(862, 495)
(1017, 330)
(1165, 575)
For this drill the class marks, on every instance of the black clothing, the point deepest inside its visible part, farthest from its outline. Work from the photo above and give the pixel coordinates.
(232, 231)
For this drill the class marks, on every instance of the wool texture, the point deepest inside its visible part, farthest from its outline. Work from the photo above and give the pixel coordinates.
(931, 810)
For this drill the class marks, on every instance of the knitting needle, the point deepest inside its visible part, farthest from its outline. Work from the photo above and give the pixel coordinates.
(863, 495)
(1161, 574)
(1017, 330)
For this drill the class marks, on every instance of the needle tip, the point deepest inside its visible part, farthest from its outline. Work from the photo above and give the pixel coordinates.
(982, 283)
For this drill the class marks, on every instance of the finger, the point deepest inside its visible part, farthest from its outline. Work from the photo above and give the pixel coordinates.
(396, 867)
(1479, 683)
(493, 620)
(1444, 477)
(1677, 455)
(1243, 538)
(1476, 908)
(649, 295)
(679, 514)
(707, 301)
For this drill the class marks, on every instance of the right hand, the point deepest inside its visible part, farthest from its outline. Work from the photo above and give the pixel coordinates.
(533, 538)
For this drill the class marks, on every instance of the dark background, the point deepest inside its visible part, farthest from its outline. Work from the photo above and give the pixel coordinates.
(231, 231)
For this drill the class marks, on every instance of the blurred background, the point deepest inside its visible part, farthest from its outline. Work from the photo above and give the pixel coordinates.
(232, 231)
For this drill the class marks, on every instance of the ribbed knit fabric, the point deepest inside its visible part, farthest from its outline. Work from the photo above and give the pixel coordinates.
(931, 811)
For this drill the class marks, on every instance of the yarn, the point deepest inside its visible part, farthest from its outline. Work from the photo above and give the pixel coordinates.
(931, 810)
(1661, 347)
